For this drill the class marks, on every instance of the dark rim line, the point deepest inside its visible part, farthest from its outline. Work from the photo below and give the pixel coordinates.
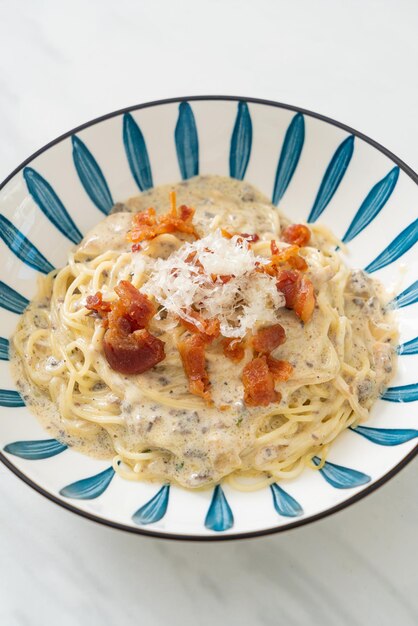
(245, 535)
(279, 105)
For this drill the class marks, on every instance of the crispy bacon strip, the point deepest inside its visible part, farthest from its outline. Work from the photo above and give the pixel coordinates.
(96, 303)
(289, 256)
(233, 349)
(192, 353)
(146, 225)
(287, 284)
(258, 383)
(281, 370)
(298, 292)
(304, 300)
(143, 225)
(268, 338)
(209, 329)
(129, 348)
(280, 258)
(131, 352)
(297, 234)
(298, 263)
(274, 248)
(186, 213)
(133, 305)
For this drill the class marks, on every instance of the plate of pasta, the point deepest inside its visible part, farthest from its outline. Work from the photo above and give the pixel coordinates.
(209, 318)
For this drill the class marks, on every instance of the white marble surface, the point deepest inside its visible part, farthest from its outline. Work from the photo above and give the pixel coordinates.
(63, 63)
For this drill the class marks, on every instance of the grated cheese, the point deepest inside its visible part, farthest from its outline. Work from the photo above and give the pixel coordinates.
(248, 300)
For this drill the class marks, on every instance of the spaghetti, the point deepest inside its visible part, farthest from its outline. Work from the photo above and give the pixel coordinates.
(150, 424)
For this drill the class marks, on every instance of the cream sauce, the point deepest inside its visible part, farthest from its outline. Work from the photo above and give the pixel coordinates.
(199, 444)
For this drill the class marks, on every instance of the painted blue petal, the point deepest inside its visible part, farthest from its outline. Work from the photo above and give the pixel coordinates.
(219, 516)
(91, 176)
(386, 436)
(409, 347)
(89, 488)
(401, 244)
(35, 450)
(407, 297)
(154, 509)
(241, 141)
(407, 393)
(341, 477)
(11, 399)
(136, 152)
(289, 156)
(373, 204)
(284, 503)
(49, 203)
(11, 299)
(187, 142)
(4, 349)
(22, 247)
(332, 177)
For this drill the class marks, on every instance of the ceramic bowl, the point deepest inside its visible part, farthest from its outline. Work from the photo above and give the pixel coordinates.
(313, 168)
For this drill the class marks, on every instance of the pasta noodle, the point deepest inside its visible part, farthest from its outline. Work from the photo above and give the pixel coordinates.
(150, 424)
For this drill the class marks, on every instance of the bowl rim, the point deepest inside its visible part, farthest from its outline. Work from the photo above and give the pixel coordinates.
(233, 536)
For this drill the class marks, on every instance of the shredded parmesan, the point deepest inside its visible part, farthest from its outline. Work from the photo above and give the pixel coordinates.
(191, 278)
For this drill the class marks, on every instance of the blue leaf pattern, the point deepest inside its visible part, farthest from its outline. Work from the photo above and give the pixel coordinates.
(89, 488)
(187, 142)
(406, 393)
(401, 244)
(341, 477)
(49, 203)
(35, 450)
(284, 503)
(386, 436)
(409, 347)
(289, 156)
(219, 516)
(10, 399)
(136, 152)
(373, 204)
(332, 177)
(11, 299)
(241, 141)
(91, 176)
(4, 349)
(155, 509)
(407, 297)
(22, 247)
